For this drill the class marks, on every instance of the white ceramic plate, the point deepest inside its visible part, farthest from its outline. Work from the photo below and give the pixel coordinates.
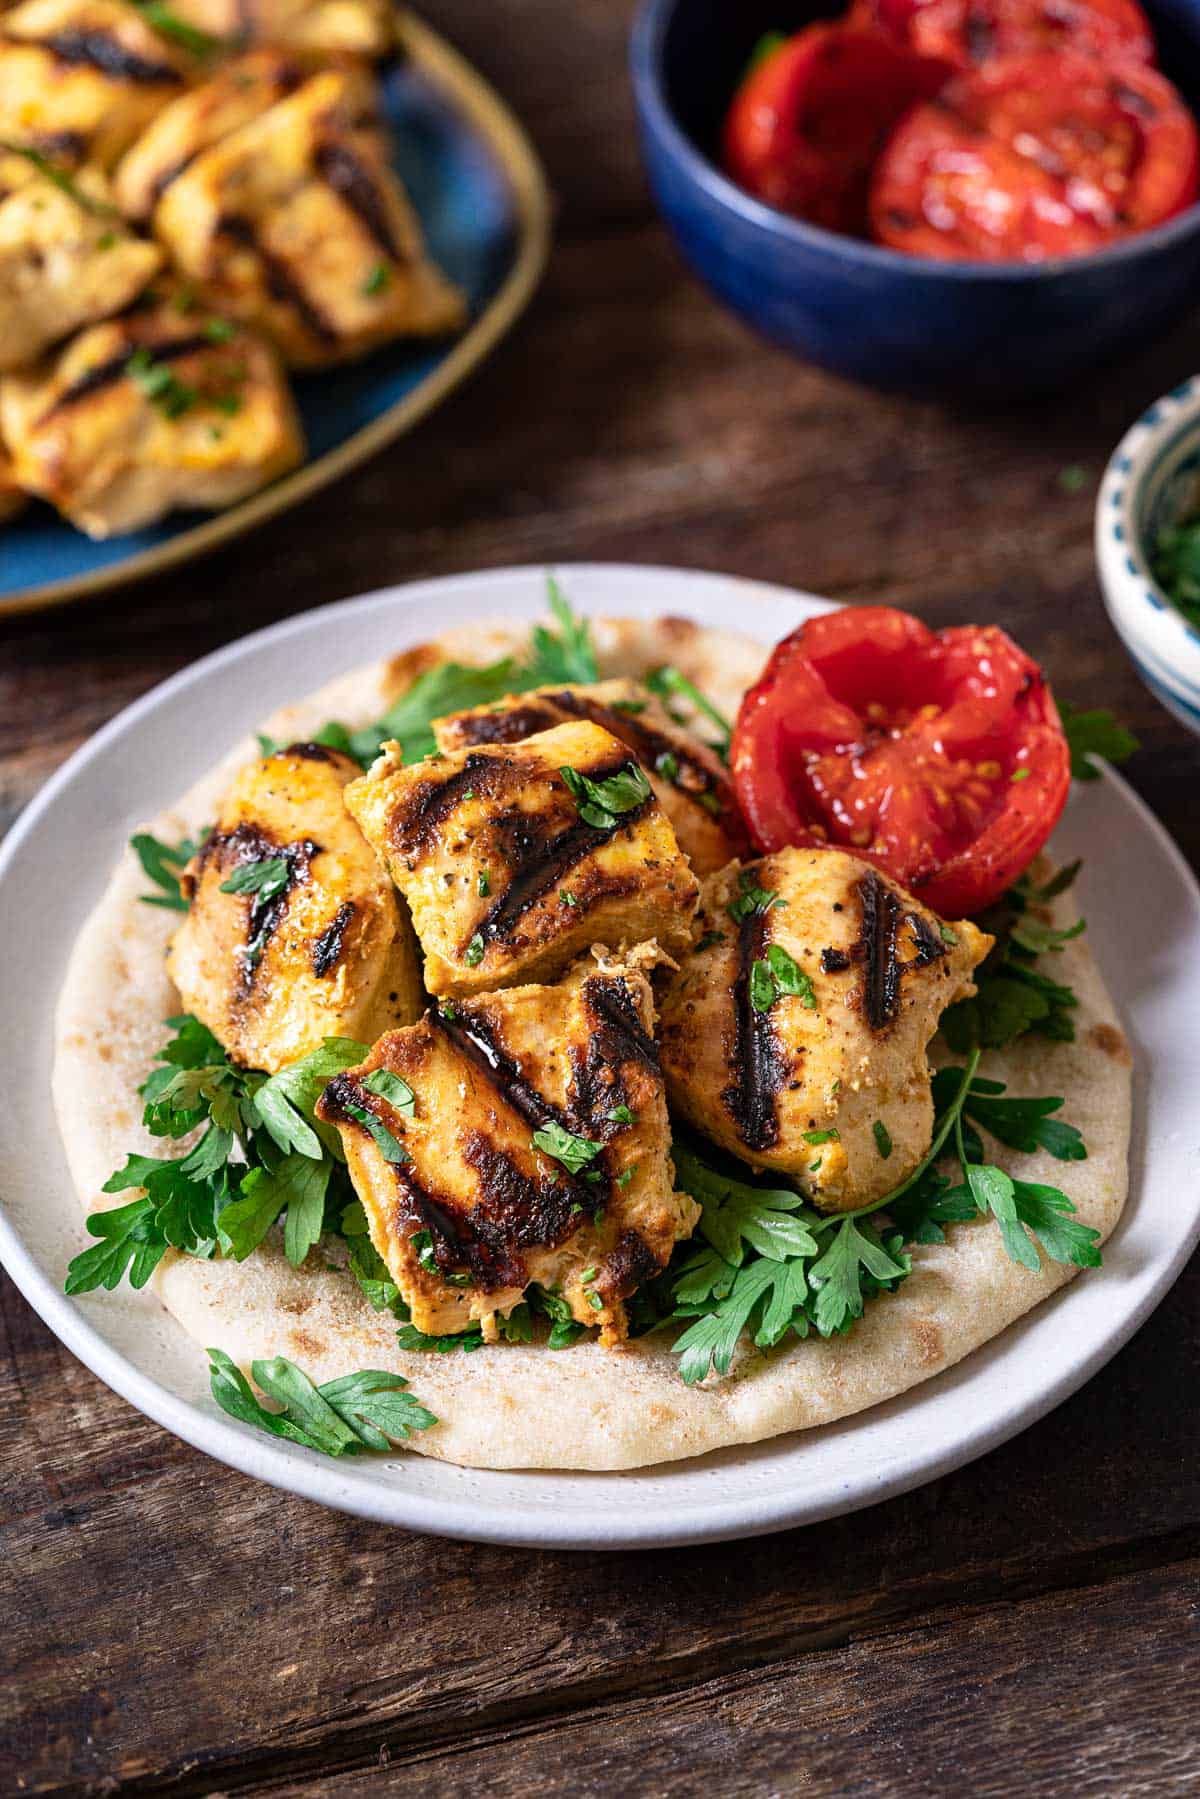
(1143, 909)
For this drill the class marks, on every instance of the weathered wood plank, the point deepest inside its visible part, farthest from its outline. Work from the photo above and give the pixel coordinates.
(166, 1611)
(991, 1701)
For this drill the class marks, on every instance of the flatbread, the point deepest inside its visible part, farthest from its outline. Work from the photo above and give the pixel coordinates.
(518, 1406)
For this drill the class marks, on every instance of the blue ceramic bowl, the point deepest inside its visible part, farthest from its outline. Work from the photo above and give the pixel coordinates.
(893, 321)
(1153, 481)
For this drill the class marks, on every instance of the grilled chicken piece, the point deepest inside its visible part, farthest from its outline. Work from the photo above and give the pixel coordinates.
(241, 90)
(818, 1071)
(296, 223)
(506, 879)
(463, 1206)
(689, 781)
(315, 27)
(320, 947)
(155, 409)
(66, 259)
(80, 78)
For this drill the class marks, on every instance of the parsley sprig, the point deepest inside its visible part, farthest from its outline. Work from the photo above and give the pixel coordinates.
(554, 657)
(369, 1410)
(774, 1267)
(1014, 993)
(261, 1154)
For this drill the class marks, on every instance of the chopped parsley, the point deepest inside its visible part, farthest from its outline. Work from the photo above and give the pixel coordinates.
(389, 1086)
(883, 1138)
(384, 1141)
(667, 765)
(475, 951)
(752, 899)
(484, 884)
(377, 281)
(266, 879)
(623, 1115)
(573, 1152)
(602, 803)
(159, 383)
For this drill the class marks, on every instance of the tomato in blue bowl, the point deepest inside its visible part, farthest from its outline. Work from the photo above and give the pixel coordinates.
(895, 320)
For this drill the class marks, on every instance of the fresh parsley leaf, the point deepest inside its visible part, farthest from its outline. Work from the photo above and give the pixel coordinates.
(1095, 732)
(622, 1115)
(409, 1337)
(389, 1086)
(517, 1326)
(450, 687)
(1013, 995)
(286, 1103)
(1031, 934)
(601, 803)
(159, 383)
(368, 1410)
(384, 1141)
(765, 1297)
(837, 1276)
(266, 879)
(130, 1247)
(763, 991)
(752, 899)
(377, 1407)
(475, 951)
(883, 1138)
(569, 656)
(1021, 1124)
(573, 1152)
(164, 863)
(377, 280)
(564, 1327)
(737, 1215)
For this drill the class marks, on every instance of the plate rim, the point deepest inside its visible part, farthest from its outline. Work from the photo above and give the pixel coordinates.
(469, 1518)
(510, 144)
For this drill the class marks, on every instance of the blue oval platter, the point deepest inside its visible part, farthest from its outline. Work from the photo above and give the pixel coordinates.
(479, 190)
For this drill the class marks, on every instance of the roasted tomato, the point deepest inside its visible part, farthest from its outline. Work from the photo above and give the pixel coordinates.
(939, 757)
(969, 33)
(809, 119)
(1037, 156)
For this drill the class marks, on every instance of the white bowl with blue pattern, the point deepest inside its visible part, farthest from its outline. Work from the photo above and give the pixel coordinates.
(1152, 482)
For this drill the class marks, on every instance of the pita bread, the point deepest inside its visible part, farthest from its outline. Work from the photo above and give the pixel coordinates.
(518, 1406)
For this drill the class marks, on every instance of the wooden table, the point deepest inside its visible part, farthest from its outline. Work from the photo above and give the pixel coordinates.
(1026, 1625)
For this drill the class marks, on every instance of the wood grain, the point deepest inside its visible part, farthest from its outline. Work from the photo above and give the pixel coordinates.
(1028, 1624)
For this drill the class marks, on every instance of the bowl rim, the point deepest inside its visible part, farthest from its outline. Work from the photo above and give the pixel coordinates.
(646, 52)
(1163, 641)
